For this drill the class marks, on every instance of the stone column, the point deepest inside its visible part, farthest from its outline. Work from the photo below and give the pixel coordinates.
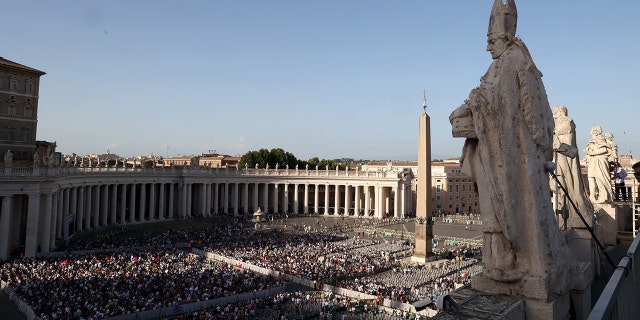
(256, 191)
(123, 203)
(265, 198)
(377, 202)
(326, 199)
(316, 198)
(171, 199)
(54, 218)
(161, 202)
(276, 195)
(88, 207)
(132, 203)
(207, 202)
(398, 201)
(296, 199)
(216, 197)
(347, 199)
(143, 202)
(235, 198)
(182, 209)
(189, 206)
(77, 206)
(285, 199)
(33, 209)
(367, 201)
(225, 200)
(65, 212)
(336, 201)
(5, 222)
(95, 206)
(104, 204)
(305, 197)
(356, 201)
(386, 199)
(114, 204)
(45, 228)
(152, 201)
(245, 198)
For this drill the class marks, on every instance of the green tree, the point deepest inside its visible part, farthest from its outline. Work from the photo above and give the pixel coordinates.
(272, 157)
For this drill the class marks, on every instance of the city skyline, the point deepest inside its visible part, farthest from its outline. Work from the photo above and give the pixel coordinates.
(326, 79)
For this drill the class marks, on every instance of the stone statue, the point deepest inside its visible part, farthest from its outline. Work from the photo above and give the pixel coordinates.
(287, 167)
(568, 166)
(49, 159)
(256, 166)
(277, 166)
(36, 160)
(307, 167)
(613, 156)
(509, 129)
(598, 151)
(8, 159)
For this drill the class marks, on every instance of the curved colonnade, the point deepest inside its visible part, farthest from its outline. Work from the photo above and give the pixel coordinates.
(42, 206)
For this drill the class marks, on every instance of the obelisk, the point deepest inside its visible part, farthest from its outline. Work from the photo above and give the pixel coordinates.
(424, 224)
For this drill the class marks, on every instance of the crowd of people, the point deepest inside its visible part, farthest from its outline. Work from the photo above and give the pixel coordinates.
(100, 281)
(95, 286)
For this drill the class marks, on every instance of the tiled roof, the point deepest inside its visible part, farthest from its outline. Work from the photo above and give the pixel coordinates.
(10, 64)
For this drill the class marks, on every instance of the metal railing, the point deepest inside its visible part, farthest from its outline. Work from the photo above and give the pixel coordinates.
(620, 297)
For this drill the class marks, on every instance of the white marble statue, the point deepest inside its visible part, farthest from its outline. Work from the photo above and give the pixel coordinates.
(613, 156)
(598, 151)
(568, 166)
(8, 158)
(36, 160)
(509, 142)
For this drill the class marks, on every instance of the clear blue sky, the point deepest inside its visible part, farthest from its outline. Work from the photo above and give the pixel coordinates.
(328, 78)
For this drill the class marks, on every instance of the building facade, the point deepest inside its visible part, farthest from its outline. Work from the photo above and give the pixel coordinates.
(19, 87)
(453, 191)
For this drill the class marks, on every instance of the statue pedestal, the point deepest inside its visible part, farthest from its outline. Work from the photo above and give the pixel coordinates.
(476, 304)
(607, 226)
(538, 302)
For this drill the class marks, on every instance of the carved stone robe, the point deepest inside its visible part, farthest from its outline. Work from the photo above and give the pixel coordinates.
(513, 127)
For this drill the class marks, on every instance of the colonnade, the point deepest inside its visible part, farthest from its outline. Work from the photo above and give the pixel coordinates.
(41, 216)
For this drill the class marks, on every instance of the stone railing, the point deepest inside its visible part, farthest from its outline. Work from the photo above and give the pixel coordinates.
(35, 172)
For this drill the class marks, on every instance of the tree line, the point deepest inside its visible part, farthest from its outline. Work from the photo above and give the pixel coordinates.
(278, 156)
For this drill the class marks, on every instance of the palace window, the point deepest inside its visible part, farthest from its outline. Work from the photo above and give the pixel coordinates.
(14, 85)
(11, 133)
(26, 135)
(30, 87)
